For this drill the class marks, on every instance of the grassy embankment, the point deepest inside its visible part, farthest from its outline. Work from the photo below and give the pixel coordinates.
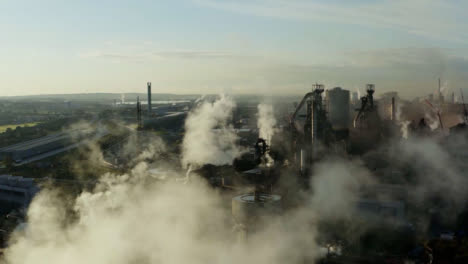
(4, 128)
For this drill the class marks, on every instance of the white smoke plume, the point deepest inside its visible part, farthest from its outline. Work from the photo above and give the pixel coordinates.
(336, 186)
(132, 218)
(266, 122)
(141, 147)
(358, 90)
(444, 88)
(209, 137)
(437, 170)
(126, 220)
(430, 171)
(135, 218)
(432, 121)
(404, 128)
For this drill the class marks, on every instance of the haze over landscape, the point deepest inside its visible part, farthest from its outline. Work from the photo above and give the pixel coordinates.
(210, 46)
(233, 131)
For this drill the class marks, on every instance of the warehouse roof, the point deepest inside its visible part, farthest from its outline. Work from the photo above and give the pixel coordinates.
(39, 141)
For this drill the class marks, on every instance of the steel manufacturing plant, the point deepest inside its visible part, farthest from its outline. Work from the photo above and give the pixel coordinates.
(330, 178)
(233, 131)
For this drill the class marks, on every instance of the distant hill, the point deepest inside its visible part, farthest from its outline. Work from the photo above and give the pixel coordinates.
(106, 98)
(98, 97)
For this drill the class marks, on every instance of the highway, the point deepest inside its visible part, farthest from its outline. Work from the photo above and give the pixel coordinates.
(101, 133)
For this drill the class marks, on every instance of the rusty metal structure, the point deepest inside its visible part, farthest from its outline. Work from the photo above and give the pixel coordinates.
(310, 130)
(367, 107)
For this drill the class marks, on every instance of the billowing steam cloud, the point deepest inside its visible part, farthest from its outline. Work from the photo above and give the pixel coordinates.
(266, 121)
(127, 219)
(134, 218)
(209, 138)
(404, 128)
(437, 171)
(336, 188)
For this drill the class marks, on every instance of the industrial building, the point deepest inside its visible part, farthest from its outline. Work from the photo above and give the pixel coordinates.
(317, 131)
(16, 192)
(169, 121)
(338, 107)
(393, 211)
(28, 149)
(388, 105)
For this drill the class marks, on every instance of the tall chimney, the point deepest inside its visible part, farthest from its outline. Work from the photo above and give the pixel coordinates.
(439, 86)
(149, 97)
(140, 126)
(441, 97)
(393, 109)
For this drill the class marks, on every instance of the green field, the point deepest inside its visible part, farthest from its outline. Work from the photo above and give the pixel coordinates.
(3, 128)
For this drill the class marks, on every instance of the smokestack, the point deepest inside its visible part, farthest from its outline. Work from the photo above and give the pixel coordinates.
(393, 109)
(439, 86)
(370, 94)
(139, 113)
(149, 97)
(315, 105)
(441, 97)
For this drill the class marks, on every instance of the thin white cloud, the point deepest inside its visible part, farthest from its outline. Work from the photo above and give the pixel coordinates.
(162, 54)
(411, 69)
(395, 57)
(441, 19)
(195, 54)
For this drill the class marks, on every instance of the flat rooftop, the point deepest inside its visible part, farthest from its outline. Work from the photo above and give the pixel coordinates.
(40, 141)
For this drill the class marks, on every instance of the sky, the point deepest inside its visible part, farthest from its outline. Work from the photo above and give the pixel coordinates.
(236, 46)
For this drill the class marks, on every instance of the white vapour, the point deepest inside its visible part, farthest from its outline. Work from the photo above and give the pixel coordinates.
(128, 221)
(432, 121)
(444, 88)
(132, 218)
(432, 175)
(209, 138)
(134, 152)
(439, 170)
(404, 128)
(336, 186)
(266, 122)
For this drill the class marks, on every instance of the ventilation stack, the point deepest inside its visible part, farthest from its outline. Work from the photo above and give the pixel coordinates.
(441, 97)
(149, 97)
(140, 125)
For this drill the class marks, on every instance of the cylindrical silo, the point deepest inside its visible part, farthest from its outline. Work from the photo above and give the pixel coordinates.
(248, 210)
(338, 108)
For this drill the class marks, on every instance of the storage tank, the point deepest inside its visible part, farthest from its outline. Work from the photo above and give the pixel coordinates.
(338, 108)
(249, 209)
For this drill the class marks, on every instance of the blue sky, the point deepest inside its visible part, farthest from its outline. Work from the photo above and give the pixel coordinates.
(208, 46)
